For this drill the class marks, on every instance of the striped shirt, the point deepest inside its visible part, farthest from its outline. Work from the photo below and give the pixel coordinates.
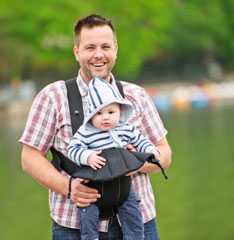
(87, 139)
(49, 124)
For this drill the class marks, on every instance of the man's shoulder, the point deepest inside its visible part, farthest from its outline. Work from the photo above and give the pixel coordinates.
(54, 88)
(132, 89)
(54, 85)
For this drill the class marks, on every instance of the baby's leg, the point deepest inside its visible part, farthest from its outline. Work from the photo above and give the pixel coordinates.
(89, 218)
(131, 219)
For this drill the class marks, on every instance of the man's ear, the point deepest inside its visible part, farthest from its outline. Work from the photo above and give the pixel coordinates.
(75, 51)
(116, 47)
(116, 50)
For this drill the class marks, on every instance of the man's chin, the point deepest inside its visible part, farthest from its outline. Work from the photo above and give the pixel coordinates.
(101, 75)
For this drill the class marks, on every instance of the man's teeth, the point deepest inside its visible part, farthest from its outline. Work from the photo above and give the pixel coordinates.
(99, 65)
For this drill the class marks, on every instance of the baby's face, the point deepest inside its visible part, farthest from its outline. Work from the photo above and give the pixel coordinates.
(107, 118)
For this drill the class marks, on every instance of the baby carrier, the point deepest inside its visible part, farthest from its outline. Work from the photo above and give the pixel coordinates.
(111, 180)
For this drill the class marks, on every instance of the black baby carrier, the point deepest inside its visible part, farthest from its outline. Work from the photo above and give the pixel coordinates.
(111, 180)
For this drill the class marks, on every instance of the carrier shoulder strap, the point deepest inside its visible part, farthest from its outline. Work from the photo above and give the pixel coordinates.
(75, 104)
(120, 87)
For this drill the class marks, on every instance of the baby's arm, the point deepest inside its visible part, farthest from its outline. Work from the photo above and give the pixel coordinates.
(79, 153)
(78, 150)
(142, 143)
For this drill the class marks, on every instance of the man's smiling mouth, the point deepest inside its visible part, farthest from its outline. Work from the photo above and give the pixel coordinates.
(99, 65)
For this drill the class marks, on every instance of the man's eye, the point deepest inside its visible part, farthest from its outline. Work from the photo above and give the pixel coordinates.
(90, 48)
(106, 47)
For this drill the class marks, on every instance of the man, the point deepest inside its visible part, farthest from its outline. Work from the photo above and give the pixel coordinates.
(49, 125)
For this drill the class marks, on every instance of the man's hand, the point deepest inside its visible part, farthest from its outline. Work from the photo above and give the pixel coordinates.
(157, 154)
(82, 195)
(132, 173)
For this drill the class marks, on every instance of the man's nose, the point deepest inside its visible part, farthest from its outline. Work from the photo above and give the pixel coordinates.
(98, 53)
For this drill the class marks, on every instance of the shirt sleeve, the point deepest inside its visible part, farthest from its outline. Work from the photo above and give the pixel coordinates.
(152, 124)
(41, 123)
(78, 151)
(140, 142)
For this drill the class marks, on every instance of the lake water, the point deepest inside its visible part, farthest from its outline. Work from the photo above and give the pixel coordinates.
(195, 203)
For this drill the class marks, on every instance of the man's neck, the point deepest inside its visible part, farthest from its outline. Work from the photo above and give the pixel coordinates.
(87, 80)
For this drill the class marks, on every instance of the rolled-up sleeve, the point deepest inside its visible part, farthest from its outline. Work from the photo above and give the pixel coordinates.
(145, 115)
(152, 124)
(41, 123)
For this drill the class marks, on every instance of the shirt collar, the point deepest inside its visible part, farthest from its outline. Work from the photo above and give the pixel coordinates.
(83, 87)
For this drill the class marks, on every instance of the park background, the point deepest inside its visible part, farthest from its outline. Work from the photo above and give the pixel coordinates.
(182, 52)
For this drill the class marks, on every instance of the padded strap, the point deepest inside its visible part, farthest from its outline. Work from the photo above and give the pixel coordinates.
(120, 87)
(75, 104)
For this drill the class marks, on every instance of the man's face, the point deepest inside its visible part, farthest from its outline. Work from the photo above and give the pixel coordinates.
(96, 52)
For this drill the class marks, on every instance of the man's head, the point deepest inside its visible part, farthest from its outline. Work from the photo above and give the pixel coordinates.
(95, 47)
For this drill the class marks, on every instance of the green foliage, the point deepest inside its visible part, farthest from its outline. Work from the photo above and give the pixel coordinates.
(141, 29)
(198, 26)
(38, 36)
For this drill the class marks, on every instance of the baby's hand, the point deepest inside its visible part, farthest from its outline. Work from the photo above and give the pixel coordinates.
(95, 161)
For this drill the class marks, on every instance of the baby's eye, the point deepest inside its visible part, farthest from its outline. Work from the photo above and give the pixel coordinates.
(111, 112)
(99, 113)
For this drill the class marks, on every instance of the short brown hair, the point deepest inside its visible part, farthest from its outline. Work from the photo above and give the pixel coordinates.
(91, 21)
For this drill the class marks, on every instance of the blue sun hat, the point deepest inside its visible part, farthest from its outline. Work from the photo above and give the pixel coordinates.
(100, 94)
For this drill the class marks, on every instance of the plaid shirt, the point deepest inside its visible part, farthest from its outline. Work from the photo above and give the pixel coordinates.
(49, 125)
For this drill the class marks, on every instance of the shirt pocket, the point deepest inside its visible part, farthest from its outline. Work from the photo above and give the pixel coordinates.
(136, 116)
(63, 134)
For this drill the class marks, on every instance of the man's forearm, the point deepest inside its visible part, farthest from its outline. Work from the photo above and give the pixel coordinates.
(36, 165)
(164, 158)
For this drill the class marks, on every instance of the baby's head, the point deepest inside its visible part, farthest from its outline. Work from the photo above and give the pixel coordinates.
(105, 100)
(107, 118)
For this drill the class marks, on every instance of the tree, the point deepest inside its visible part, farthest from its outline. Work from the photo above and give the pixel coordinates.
(40, 34)
(37, 37)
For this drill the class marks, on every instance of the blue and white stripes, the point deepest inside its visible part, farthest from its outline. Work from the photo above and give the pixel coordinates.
(85, 141)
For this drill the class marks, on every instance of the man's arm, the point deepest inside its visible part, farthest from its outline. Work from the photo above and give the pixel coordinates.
(164, 158)
(36, 165)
